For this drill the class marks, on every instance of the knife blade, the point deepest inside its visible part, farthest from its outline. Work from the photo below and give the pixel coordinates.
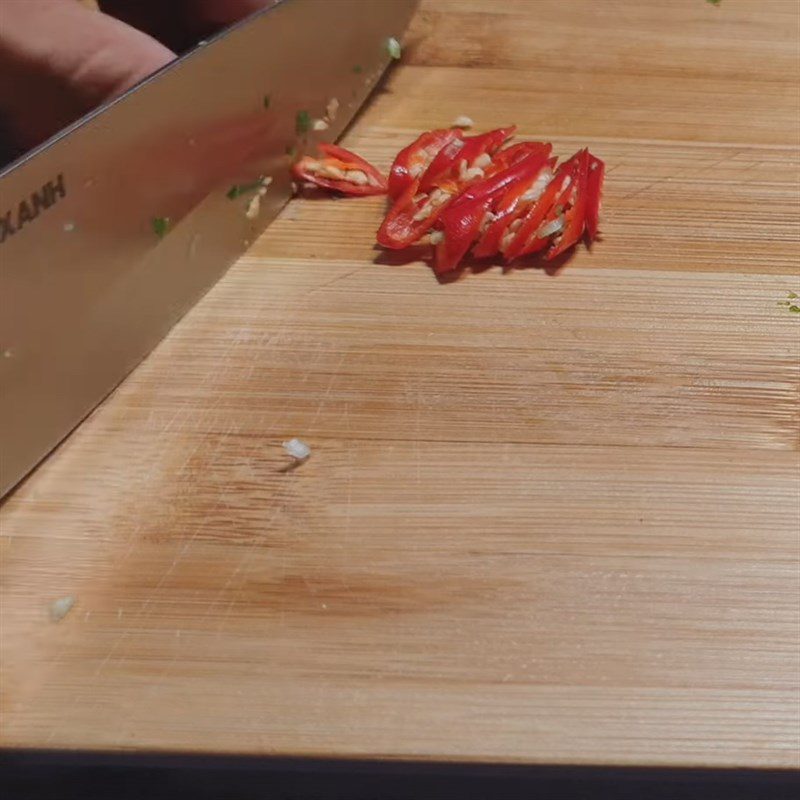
(114, 229)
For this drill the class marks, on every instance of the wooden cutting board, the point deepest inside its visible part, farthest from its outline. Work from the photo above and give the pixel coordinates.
(546, 519)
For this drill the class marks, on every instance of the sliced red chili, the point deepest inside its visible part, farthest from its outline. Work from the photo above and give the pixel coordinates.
(446, 164)
(485, 143)
(594, 195)
(442, 164)
(410, 217)
(459, 227)
(461, 220)
(341, 171)
(511, 207)
(575, 214)
(510, 155)
(412, 161)
(555, 194)
(474, 192)
(396, 230)
(498, 182)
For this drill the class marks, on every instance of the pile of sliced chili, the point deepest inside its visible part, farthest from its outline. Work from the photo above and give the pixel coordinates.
(462, 193)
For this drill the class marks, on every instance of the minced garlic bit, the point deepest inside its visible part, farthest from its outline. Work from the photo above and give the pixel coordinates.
(319, 125)
(298, 450)
(393, 48)
(549, 228)
(332, 108)
(539, 185)
(253, 207)
(438, 196)
(434, 237)
(238, 189)
(324, 170)
(357, 177)
(462, 122)
(61, 607)
(510, 234)
(466, 173)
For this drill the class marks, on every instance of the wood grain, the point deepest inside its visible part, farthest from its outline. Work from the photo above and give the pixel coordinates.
(546, 519)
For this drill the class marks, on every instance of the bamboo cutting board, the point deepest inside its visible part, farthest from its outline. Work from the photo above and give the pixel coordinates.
(547, 519)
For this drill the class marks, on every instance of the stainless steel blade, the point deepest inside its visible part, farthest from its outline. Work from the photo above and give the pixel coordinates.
(87, 285)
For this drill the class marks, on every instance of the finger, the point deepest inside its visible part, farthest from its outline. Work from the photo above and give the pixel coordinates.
(59, 60)
(180, 24)
(167, 22)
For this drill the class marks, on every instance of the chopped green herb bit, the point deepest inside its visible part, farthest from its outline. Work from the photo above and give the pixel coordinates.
(266, 101)
(714, 2)
(358, 69)
(161, 226)
(393, 48)
(792, 295)
(302, 122)
(238, 189)
(794, 309)
(783, 303)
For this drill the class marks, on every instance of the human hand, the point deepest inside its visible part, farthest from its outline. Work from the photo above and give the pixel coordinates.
(59, 59)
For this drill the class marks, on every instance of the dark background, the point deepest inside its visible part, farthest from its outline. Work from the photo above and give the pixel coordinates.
(54, 776)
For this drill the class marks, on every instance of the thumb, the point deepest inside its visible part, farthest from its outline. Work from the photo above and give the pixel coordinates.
(58, 60)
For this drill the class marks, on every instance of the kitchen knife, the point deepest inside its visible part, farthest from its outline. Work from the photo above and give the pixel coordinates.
(114, 228)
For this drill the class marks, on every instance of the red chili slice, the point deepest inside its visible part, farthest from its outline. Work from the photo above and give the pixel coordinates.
(488, 143)
(575, 214)
(459, 226)
(396, 231)
(407, 221)
(460, 222)
(412, 161)
(511, 207)
(441, 165)
(555, 194)
(341, 171)
(594, 194)
(510, 155)
(520, 171)
(446, 164)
